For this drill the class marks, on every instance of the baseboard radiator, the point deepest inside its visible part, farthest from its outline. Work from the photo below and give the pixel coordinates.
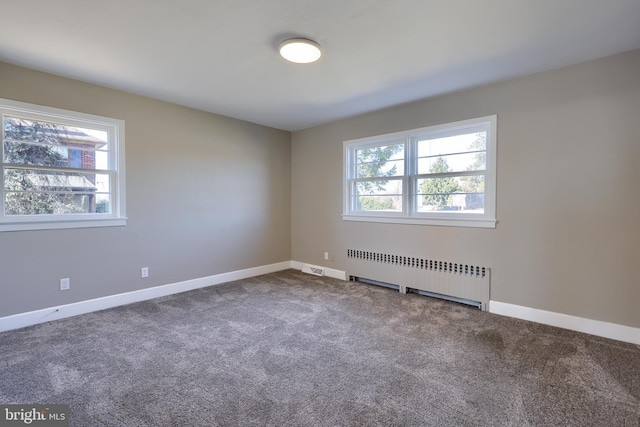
(462, 283)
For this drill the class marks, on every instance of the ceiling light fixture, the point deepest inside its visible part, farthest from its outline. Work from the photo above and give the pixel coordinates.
(300, 51)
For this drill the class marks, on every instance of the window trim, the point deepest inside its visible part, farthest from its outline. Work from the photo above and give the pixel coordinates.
(116, 131)
(408, 215)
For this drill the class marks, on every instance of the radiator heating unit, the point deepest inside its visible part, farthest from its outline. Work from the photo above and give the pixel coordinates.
(464, 283)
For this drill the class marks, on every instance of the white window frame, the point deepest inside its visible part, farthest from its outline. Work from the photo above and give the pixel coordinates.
(409, 214)
(116, 132)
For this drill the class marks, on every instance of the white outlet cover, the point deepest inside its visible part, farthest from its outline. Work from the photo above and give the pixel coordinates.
(65, 284)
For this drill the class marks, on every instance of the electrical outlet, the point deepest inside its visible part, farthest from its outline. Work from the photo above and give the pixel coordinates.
(65, 284)
(144, 272)
(326, 256)
(333, 257)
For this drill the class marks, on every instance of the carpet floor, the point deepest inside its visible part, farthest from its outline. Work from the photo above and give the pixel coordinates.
(290, 349)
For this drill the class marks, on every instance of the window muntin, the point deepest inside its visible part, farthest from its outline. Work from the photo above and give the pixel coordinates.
(60, 169)
(447, 176)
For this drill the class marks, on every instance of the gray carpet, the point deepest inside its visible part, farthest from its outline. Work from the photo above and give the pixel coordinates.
(290, 349)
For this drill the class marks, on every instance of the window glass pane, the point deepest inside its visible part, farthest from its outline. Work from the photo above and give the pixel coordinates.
(43, 203)
(102, 160)
(87, 159)
(53, 133)
(33, 192)
(27, 180)
(453, 163)
(452, 144)
(35, 154)
(101, 181)
(380, 195)
(378, 204)
(382, 161)
(103, 203)
(42, 143)
(53, 155)
(457, 194)
(380, 169)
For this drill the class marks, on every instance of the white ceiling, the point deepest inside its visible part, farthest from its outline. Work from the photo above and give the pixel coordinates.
(221, 55)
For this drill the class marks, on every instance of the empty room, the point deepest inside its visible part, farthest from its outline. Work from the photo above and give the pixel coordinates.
(303, 213)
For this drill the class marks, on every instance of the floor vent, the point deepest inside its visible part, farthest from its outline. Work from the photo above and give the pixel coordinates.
(313, 269)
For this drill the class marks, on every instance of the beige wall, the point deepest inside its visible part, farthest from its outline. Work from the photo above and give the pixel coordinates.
(205, 195)
(568, 203)
(208, 194)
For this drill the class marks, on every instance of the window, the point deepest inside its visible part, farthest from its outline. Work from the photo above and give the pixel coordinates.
(60, 169)
(438, 175)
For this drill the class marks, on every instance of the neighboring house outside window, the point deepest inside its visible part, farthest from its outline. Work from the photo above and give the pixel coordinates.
(60, 169)
(438, 175)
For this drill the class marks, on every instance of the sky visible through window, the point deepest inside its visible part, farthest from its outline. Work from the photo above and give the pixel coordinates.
(449, 148)
(102, 161)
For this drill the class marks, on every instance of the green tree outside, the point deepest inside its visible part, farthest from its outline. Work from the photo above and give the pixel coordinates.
(475, 184)
(438, 190)
(372, 163)
(23, 196)
(368, 203)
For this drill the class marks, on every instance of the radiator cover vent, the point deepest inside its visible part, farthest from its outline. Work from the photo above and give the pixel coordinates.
(440, 278)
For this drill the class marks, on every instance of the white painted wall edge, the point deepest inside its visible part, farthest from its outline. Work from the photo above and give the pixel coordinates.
(22, 320)
(579, 324)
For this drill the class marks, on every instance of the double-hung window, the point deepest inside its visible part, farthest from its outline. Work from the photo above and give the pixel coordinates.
(60, 169)
(437, 175)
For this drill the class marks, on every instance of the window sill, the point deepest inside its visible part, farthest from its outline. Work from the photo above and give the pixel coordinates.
(62, 224)
(444, 222)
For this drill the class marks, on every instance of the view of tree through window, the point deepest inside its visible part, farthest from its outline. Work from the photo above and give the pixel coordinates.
(459, 186)
(372, 191)
(438, 191)
(42, 163)
(443, 175)
(60, 168)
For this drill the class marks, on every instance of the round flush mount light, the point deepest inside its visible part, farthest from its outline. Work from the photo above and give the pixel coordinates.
(300, 51)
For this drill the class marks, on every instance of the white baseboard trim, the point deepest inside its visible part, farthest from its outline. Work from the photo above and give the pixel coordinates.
(22, 320)
(579, 324)
(329, 272)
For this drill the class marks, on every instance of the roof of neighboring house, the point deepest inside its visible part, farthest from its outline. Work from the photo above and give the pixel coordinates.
(67, 182)
(65, 135)
(77, 136)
